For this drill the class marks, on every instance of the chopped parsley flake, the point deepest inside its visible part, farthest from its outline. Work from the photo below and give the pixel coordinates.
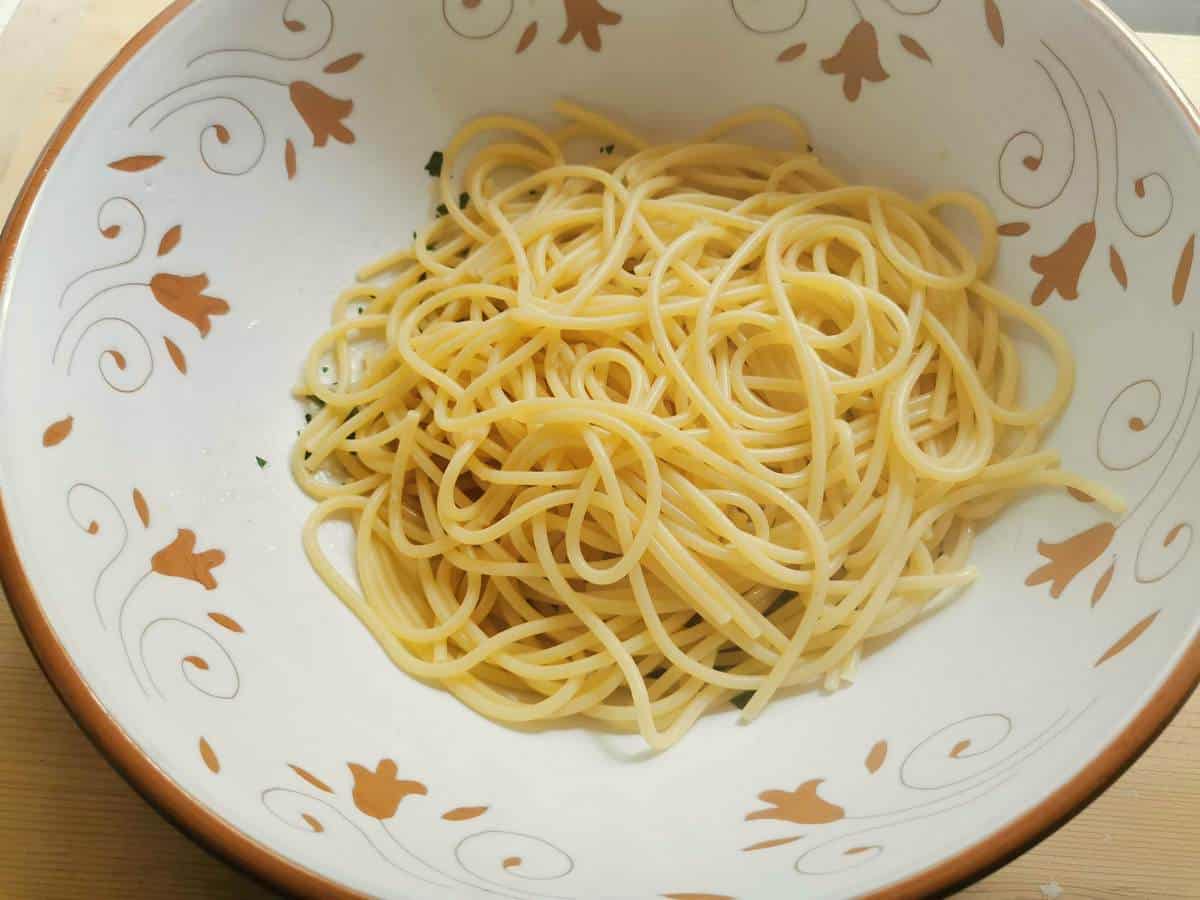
(441, 210)
(463, 200)
(434, 166)
(262, 463)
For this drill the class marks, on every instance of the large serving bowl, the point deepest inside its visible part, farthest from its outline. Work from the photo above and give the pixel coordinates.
(180, 245)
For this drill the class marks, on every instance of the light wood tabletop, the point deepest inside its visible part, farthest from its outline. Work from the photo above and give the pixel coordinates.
(70, 827)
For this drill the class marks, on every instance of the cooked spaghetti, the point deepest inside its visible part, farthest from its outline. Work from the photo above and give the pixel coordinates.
(628, 433)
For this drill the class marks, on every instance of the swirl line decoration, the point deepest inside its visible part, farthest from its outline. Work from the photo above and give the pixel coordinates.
(849, 858)
(780, 20)
(93, 526)
(294, 23)
(220, 104)
(204, 664)
(1034, 160)
(114, 218)
(125, 358)
(314, 825)
(1135, 412)
(216, 136)
(980, 744)
(377, 794)
(477, 20)
(1022, 159)
(190, 666)
(932, 7)
(1140, 183)
(550, 862)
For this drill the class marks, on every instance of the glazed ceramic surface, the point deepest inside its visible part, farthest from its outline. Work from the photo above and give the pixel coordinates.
(185, 246)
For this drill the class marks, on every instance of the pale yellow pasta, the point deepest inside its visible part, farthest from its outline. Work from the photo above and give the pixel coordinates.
(625, 436)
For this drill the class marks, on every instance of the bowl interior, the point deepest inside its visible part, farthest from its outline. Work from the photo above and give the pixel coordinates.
(185, 248)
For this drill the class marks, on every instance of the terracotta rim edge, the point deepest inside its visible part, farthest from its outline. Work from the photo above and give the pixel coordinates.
(215, 834)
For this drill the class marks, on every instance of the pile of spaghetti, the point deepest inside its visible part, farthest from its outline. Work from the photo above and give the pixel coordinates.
(633, 430)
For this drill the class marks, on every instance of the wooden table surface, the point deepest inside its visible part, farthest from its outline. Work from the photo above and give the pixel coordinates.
(70, 827)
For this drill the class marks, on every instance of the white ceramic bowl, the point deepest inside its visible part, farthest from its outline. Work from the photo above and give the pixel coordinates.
(179, 247)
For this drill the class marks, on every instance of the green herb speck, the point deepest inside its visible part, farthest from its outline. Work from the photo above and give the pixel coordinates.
(262, 463)
(463, 200)
(434, 166)
(441, 210)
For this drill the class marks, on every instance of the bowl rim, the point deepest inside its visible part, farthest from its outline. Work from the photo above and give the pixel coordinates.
(210, 830)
